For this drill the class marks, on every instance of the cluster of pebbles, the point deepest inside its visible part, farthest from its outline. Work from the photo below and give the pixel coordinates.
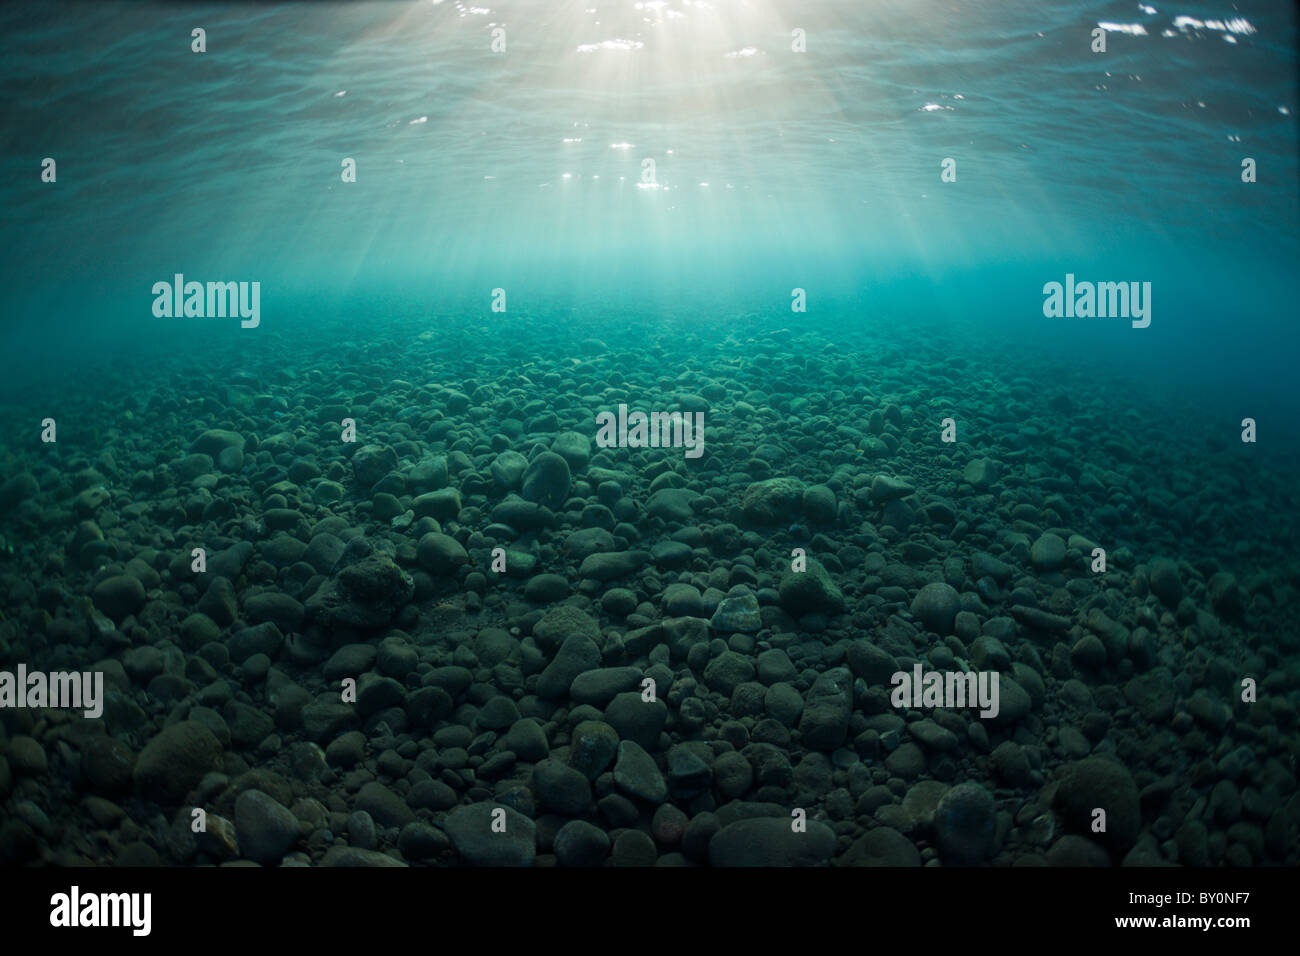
(557, 653)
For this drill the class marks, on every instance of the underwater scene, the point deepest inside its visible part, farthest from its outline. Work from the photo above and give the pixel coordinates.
(649, 434)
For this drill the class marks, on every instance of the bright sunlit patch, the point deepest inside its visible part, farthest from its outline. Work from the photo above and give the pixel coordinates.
(341, 93)
(620, 145)
(1238, 25)
(1132, 29)
(743, 51)
(933, 108)
(610, 45)
(1149, 11)
(572, 139)
(416, 122)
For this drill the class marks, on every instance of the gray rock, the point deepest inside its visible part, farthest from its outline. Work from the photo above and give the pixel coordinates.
(770, 841)
(772, 501)
(882, 846)
(547, 480)
(610, 565)
(574, 448)
(508, 469)
(981, 472)
(827, 709)
(355, 856)
(984, 565)
(727, 671)
(673, 505)
(371, 463)
(546, 588)
(561, 788)
(1166, 581)
(810, 591)
(1225, 595)
(1014, 702)
(385, 806)
(119, 596)
(216, 440)
(440, 554)
(783, 703)
(441, 505)
(819, 505)
(600, 685)
(935, 606)
(873, 664)
(1101, 783)
(18, 489)
(965, 825)
(635, 773)
(579, 843)
(635, 719)
(275, 607)
(526, 740)
(683, 600)
(774, 666)
(593, 746)
(266, 830)
(173, 763)
(886, 488)
(367, 594)
(738, 612)
(1047, 553)
(578, 653)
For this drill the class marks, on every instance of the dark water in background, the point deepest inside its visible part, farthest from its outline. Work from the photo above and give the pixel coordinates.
(479, 170)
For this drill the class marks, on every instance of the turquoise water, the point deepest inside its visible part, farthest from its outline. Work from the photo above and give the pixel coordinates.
(647, 188)
(522, 169)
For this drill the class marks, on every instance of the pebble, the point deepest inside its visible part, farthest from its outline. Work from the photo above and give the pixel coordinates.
(936, 606)
(965, 825)
(119, 596)
(547, 480)
(472, 834)
(771, 842)
(579, 843)
(636, 775)
(175, 760)
(1166, 581)
(265, 829)
(1099, 782)
(1047, 553)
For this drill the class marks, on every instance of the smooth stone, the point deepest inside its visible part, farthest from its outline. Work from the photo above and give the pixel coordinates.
(770, 841)
(635, 773)
(266, 830)
(176, 759)
(965, 825)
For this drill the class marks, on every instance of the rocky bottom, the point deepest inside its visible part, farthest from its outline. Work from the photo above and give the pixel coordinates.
(571, 654)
